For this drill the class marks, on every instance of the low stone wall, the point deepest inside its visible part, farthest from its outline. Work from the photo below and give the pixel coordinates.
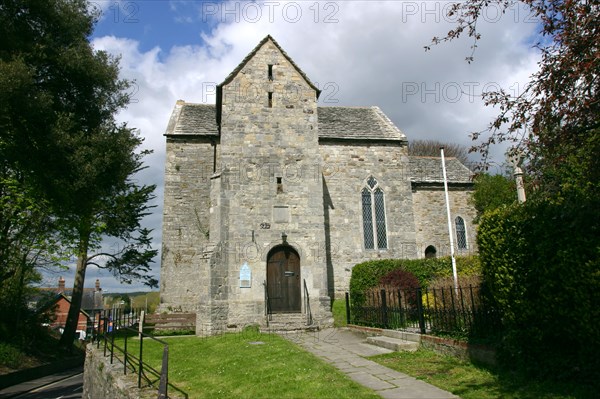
(104, 380)
(446, 346)
(460, 349)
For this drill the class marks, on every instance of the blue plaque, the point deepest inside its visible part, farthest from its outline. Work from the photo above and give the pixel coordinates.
(245, 276)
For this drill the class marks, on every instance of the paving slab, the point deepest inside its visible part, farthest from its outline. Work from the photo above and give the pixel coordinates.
(346, 350)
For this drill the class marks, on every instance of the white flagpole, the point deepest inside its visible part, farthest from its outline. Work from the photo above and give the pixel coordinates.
(454, 274)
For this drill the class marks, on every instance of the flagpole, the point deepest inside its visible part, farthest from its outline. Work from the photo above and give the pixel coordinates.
(454, 274)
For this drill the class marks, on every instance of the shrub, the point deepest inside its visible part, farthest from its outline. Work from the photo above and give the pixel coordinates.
(399, 279)
(404, 284)
(368, 274)
(10, 356)
(541, 265)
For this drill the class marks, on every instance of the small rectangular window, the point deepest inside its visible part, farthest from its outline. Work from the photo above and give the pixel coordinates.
(270, 99)
(270, 72)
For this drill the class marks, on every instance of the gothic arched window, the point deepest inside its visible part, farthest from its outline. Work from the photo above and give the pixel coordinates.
(461, 233)
(373, 210)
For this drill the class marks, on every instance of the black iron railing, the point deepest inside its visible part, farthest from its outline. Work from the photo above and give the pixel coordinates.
(109, 328)
(461, 311)
(309, 319)
(268, 312)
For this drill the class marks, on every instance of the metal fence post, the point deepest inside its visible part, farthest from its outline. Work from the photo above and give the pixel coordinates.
(97, 336)
(384, 309)
(104, 335)
(164, 374)
(347, 308)
(112, 346)
(125, 357)
(420, 310)
(140, 363)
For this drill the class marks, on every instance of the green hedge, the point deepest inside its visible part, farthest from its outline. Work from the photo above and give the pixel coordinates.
(367, 274)
(540, 264)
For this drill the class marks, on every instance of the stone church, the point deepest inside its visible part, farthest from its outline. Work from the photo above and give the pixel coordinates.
(270, 199)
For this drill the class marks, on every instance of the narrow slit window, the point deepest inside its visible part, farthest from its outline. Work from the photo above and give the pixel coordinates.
(279, 185)
(270, 72)
(373, 211)
(270, 99)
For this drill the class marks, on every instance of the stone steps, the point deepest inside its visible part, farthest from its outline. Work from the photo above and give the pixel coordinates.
(402, 335)
(394, 344)
(289, 322)
(395, 340)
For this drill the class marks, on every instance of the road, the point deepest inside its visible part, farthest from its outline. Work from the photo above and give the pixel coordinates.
(64, 385)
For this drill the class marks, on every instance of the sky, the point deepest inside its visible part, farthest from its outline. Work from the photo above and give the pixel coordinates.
(359, 53)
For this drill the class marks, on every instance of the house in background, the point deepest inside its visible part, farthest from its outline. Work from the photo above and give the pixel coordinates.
(60, 303)
(59, 309)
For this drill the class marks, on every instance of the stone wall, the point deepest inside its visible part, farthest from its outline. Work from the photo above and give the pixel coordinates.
(269, 184)
(431, 219)
(348, 168)
(104, 380)
(186, 223)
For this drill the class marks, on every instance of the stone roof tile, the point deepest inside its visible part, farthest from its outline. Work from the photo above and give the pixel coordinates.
(193, 119)
(429, 170)
(345, 123)
(363, 123)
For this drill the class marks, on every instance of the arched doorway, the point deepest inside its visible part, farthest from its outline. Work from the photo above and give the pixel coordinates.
(283, 280)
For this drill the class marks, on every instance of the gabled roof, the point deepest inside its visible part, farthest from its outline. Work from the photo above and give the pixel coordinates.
(193, 119)
(252, 53)
(356, 123)
(91, 299)
(57, 298)
(335, 123)
(429, 170)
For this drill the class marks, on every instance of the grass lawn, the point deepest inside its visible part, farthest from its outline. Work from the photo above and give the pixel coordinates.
(237, 366)
(473, 382)
(338, 309)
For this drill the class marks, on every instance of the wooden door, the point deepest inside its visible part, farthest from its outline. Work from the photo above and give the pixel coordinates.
(283, 280)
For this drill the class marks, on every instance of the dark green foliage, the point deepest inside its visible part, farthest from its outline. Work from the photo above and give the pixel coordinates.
(59, 139)
(492, 191)
(541, 265)
(53, 84)
(10, 356)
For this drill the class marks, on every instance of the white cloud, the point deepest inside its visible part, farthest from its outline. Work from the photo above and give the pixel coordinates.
(362, 53)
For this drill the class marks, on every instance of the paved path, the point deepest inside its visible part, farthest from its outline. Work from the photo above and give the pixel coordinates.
(347, 350)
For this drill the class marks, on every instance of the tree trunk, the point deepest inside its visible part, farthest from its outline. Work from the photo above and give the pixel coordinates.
(68, 336)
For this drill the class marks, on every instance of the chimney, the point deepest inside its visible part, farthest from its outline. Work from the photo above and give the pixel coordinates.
(98, 285)
(61, 284)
